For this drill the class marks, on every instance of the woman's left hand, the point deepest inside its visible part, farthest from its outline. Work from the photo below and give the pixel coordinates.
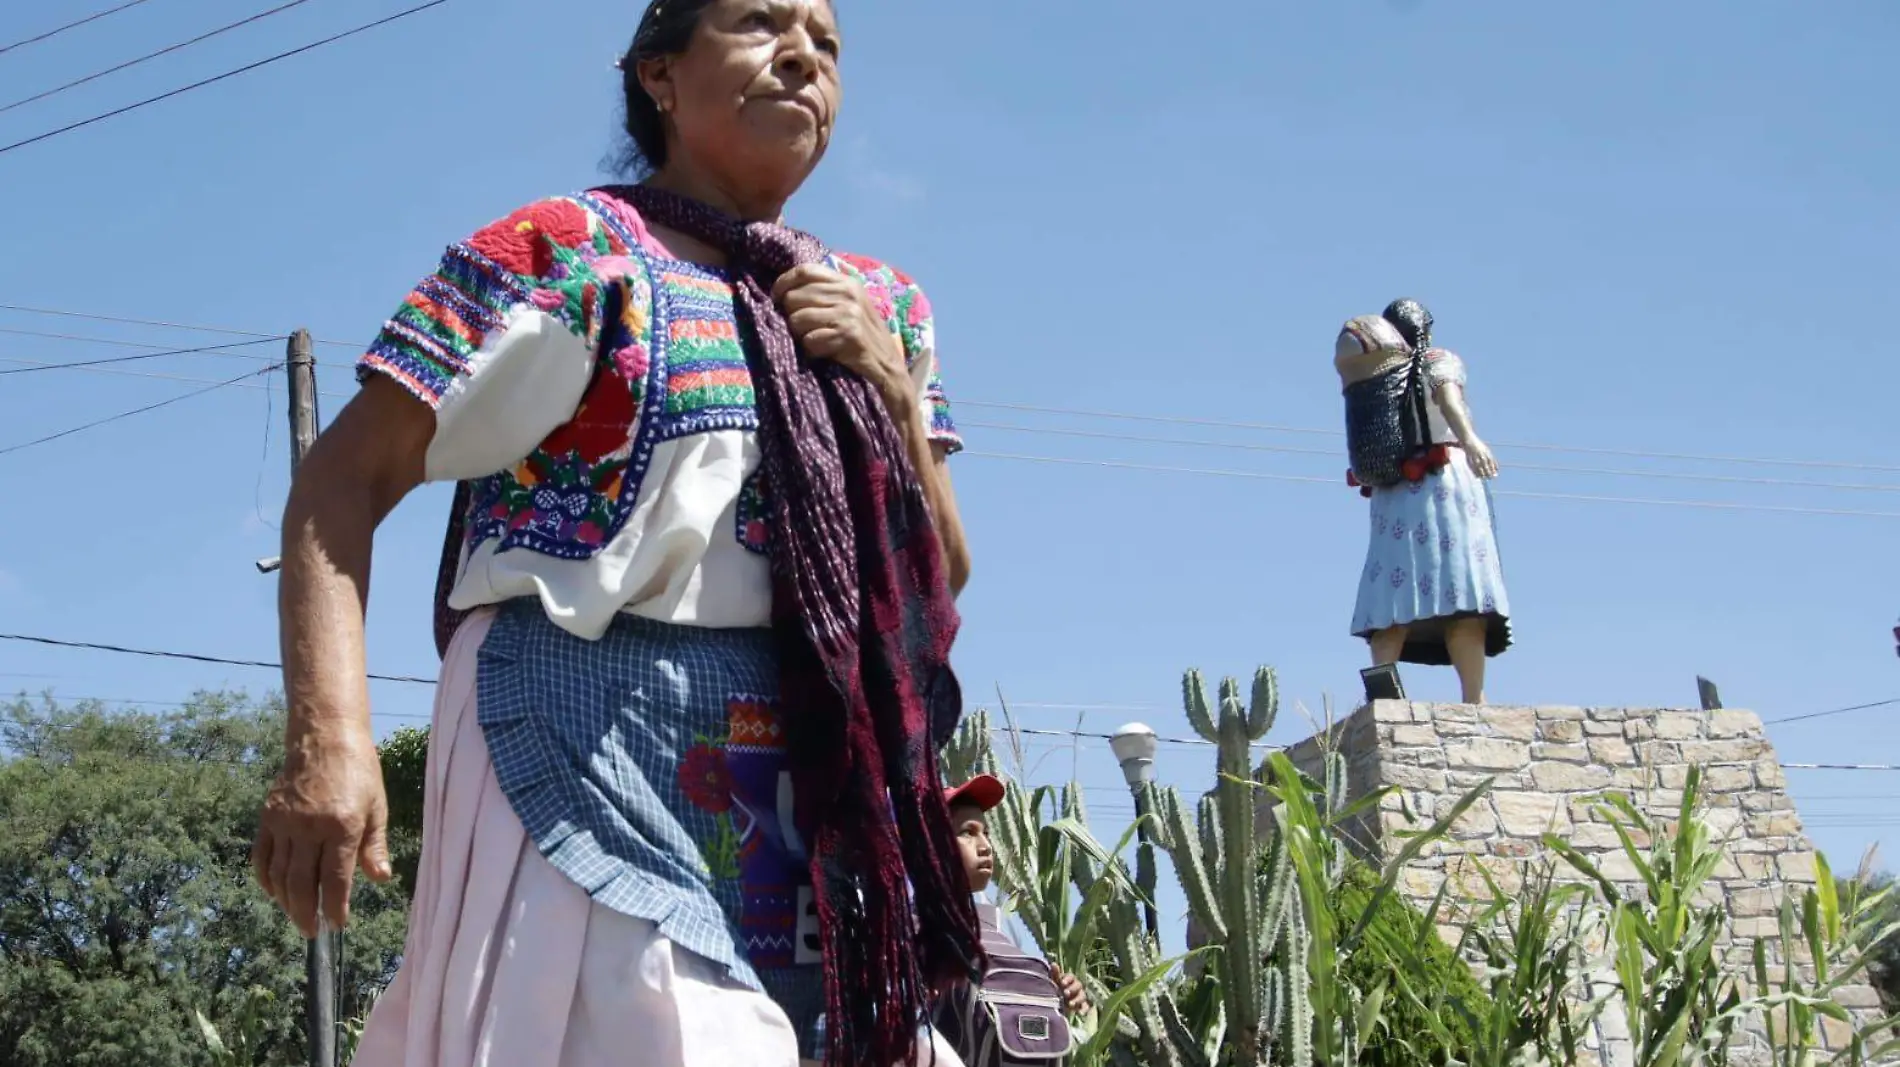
(1075, 999)
(1483, 463)
(833, 318)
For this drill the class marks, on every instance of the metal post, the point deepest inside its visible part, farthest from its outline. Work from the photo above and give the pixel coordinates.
(1145, 856)
(319, 973)
(1135, 746)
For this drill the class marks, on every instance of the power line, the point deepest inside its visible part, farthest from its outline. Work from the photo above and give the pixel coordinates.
(1172, 420)
(140, 702)
(149, 56)
(157, 352)
(1007, 730)
(183, 379)
(1244, 446)
(1165, 469)
(123, 321)
(1711, 505)
(1176, 420)
(221, 77)
(190, 656)
(1032, 706)
(137, 702)
(257, 487)
(1833, 711)
(70, 26)
(1086, 735)
(128, 414)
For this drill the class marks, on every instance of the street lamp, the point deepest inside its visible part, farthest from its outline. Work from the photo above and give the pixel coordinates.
(1134, 746)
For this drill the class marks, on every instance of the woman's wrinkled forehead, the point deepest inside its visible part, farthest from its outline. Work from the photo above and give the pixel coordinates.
(660, 9)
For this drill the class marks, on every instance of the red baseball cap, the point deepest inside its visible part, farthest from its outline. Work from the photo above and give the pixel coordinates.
(985, 791)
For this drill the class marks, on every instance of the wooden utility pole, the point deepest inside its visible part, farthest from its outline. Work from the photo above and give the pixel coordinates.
(319, 976)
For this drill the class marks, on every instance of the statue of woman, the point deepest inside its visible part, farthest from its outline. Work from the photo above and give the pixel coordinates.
(1433, 588)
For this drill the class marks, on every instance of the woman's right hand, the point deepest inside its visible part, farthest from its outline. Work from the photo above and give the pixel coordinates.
(325, 816)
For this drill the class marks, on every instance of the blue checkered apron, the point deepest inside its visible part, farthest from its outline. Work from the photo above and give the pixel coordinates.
(649, 768)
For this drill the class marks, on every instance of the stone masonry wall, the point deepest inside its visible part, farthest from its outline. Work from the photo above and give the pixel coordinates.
(1550, 765)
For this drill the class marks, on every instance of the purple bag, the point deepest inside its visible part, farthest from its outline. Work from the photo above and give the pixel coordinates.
(1014, 1017)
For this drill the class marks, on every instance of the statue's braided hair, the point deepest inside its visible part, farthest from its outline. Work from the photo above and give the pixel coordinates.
(1414, 323)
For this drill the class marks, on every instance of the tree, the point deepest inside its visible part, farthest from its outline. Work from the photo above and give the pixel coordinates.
(405, 760)
(1883, 967)
(126, 899)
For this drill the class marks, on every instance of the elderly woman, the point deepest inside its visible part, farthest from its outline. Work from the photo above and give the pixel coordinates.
(1433, 588)
(682, 803)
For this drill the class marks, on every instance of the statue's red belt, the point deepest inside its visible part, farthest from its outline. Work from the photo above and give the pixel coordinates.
(1415, 469)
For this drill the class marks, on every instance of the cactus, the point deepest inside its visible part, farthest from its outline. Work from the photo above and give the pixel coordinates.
(1241, 891)
(1269, 988)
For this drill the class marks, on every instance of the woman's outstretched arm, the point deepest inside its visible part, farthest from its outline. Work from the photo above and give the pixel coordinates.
(326, 814)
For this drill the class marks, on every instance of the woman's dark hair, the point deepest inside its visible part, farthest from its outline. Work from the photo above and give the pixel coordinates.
(665, 30)
(1413, 322)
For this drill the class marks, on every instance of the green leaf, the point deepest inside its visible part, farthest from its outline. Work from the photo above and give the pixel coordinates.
(1118, 1002)
(1407, 854)
(1829, 894)
(213, 1039)
(1583, 866)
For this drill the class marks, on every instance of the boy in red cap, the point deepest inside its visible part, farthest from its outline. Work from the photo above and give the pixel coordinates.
(970, 804)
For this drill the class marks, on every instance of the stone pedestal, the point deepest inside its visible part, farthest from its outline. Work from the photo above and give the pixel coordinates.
(1550, 766)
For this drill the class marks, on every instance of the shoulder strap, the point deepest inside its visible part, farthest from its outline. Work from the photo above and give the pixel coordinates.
(448, 620)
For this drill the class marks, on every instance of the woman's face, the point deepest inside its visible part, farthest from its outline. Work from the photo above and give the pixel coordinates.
(753, 99)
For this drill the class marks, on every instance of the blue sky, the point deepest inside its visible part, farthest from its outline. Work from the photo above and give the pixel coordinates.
(1648, 228)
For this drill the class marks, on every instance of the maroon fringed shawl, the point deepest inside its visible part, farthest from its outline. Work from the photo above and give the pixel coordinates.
(865, 620)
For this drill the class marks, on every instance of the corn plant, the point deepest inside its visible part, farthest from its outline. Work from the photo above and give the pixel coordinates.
(1532, 950)
(350, 1032)
(1839, 936)
(1681, 1004)
(1312, 818)
(243, 1047)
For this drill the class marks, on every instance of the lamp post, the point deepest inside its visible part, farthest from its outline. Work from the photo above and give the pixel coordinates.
(1134, 746)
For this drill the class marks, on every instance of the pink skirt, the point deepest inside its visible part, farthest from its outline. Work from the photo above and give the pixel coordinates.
(510, 964)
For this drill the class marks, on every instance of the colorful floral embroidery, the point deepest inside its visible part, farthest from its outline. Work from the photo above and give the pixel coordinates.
(574, 492)
(774, 879)
(706, 780)
(754, 531)
(435, 334)
(708, 385)
(670, 364)
(903, 304)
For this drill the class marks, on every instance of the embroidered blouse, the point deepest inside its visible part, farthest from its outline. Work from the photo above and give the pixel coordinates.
(592, 389)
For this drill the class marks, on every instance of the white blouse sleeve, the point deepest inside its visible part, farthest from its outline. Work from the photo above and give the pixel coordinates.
(1443, 367)
(497, 353)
